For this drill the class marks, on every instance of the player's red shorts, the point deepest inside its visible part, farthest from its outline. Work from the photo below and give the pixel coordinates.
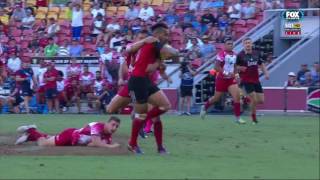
(124, 91)
(65, 137)
(41, 89)
(222, 85)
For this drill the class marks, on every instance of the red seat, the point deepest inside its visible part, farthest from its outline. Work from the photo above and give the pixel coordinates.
(239, 23)
(252, 23)
(86, 30)
(90, 46)
(4, 39)
(87, 22)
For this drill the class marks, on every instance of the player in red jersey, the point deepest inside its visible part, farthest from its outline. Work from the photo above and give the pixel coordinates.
(50, 79)
(122, 98)
(225, 65)
(86, 80)
(248, 64)
(96, 134)
(143, 91)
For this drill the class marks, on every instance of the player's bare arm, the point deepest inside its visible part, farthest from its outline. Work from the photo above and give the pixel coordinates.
(217, 66)
(122, 70)
(136, 46)
(264, 70)
(97, 142)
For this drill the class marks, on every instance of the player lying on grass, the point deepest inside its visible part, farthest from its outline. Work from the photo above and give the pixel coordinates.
(95, 134)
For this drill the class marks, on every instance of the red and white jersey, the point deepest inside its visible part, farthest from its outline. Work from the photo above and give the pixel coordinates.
(86, 78)
(40, 75)
(227, 62)
(98, 86)
(74, 69)
(61, 85)
(83, 136)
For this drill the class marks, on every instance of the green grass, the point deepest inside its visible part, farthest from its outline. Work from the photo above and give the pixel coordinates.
(281, 147)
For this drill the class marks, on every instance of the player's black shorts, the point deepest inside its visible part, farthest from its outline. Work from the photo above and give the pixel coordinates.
(185, 91)
(26, 92)
(19, 100)
(141, 88)
(252, 87)
(51, 93)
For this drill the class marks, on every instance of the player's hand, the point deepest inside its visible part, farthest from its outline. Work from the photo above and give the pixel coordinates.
(151, 39)
(267, 76)
(114, 145)
(169, 80)
(242, 68)
(121, 82)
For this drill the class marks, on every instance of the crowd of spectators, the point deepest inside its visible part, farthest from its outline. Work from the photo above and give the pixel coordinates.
(305, 77)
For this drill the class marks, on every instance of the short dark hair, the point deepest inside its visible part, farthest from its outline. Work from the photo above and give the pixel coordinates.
(114, 118)
(227, 39)
(246, 39)
(98, 71)
(60, 73)
(159, 25)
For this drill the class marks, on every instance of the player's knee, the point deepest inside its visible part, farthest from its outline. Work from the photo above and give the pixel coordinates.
(140, 116)
(260, 101)
(165, 107)
(109, 110)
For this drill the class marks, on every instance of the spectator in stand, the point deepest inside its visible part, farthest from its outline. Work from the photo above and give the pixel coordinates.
(132, 13)
(223, 22)
(136, 26)
(77, 21)
(41, 3)
(129, 37)
(28, 21)
(3, 30)
(42, 26)
(63, 49)
(171, 18)
(18, 13)
(207, 20)
(75, 49)
(309, 81)
(248, 10)
(53, 28)
(14, 63)
(216, 4)
(207, 50)
(292, 80)
(194, 50)
(97, 10)
(115, 41)
(234, 10)
(301, 74)
(113, 25)
(188, 19)
(73, 70)
(50, 78)
(98, 26)
(146, 12)
(315, 73)
(43, 39)
(215, 34)
(34, 46)
(101, 49)
(4, 17)
(204, 5)
(51, 49)
(228, 34)
(12, 47)
(25, 78)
